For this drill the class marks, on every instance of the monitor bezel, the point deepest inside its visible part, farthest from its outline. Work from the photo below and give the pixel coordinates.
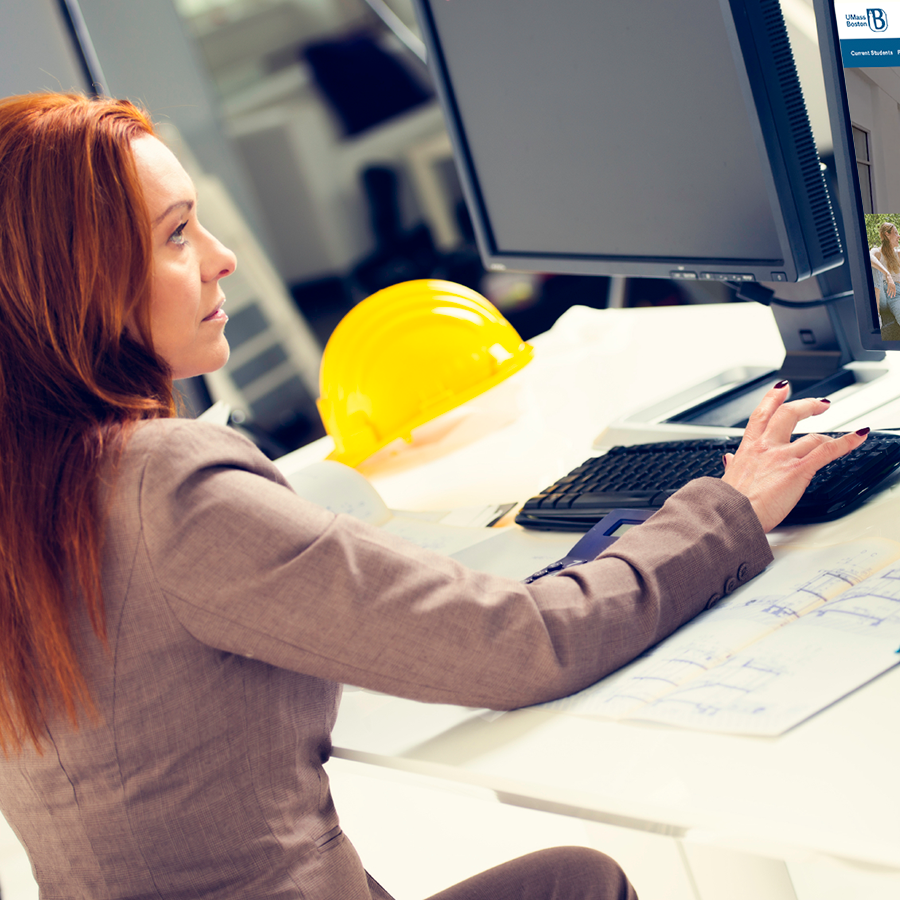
(791, 227)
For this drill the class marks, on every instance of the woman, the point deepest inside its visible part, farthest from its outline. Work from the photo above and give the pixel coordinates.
(886, 272)
(176, 622)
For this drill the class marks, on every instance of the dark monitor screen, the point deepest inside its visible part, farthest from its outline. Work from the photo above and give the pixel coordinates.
(860, 47)
(654, 139)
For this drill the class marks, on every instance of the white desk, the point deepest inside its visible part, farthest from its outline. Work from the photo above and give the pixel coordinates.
(827, 788)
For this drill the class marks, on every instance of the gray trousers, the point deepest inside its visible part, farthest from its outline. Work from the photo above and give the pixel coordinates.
(563, 873)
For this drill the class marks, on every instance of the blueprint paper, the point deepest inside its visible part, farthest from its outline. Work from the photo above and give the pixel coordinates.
(817, 624)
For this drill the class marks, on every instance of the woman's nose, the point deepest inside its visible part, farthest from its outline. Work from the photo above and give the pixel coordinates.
(220, 261)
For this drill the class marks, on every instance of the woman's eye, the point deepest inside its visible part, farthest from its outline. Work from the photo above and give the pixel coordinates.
(177, 236)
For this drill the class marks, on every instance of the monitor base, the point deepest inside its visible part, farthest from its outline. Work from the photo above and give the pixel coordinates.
(719, 406)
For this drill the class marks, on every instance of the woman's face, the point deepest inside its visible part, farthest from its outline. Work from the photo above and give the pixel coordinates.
(894, 237)
(187, 323)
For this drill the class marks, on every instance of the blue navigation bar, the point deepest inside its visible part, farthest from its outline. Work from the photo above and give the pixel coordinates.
(870, 52)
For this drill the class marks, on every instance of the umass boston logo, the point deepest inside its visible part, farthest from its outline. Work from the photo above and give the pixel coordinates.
(877, 19)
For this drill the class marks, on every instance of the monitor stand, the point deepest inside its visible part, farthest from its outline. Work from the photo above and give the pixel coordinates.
(823, 358)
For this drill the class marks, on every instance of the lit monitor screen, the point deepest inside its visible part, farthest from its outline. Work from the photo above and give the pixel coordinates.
(860, 47)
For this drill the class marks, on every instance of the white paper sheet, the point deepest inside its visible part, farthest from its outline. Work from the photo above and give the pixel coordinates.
(342, 489)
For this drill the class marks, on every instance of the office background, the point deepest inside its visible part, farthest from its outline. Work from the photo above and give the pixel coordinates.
(320, 126)
(338, 207)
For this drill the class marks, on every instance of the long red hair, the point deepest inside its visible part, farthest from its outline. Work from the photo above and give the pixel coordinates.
(75, 267)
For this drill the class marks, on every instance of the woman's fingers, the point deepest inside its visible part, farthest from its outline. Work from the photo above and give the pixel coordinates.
(772, 470)
(803, 446)
(768, 406)
(809, 446)
(786, 418)
(775, 419)
(817, 450)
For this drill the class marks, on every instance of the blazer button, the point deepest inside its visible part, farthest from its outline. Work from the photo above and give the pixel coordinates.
(742, 572)
(713, 600)
(730, 585)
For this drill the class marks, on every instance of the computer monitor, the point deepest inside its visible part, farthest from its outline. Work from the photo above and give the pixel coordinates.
(657, 139)
(861, 53)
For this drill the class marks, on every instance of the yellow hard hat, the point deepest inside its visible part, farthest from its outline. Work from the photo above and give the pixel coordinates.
(407, 354)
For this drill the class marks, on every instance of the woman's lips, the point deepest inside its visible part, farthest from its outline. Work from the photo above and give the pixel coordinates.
(217, 314)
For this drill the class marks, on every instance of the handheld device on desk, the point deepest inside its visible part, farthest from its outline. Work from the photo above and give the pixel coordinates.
(611, 527)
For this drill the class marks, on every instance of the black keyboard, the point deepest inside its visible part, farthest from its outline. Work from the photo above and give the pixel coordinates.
(644, 475)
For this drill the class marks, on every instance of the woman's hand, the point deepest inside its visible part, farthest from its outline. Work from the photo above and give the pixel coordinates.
(890, 286)
(772, 471)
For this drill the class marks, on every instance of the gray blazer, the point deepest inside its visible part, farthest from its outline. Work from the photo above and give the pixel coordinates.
(235, 610)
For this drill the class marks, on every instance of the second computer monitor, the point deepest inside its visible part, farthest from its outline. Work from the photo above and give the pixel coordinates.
(860, 46)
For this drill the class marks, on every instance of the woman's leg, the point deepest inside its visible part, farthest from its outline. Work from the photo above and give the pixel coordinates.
(889, 309)
(889, 304)
(563, 873)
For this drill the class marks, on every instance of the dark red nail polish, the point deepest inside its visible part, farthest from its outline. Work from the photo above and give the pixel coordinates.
(824, 400)
(863, 431)
(725, 461)
(781, 384)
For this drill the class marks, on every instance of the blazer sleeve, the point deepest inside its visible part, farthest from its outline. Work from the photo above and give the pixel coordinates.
(247, 567)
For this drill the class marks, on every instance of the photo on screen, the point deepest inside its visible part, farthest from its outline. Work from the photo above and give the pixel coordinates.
(883, 240)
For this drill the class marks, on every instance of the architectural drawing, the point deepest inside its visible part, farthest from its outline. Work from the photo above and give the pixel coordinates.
(813, 627)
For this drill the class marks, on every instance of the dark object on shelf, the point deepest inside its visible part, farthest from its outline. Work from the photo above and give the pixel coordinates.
(323, 303)
(643, 476)
(364, 84)
(400, 255)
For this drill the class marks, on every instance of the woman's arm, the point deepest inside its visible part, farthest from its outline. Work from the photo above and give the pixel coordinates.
(249, 568)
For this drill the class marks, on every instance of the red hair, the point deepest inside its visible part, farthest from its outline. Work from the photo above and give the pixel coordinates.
(75, 267)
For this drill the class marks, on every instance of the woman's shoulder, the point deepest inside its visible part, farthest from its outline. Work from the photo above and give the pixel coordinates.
(151, 435)
(181, 446)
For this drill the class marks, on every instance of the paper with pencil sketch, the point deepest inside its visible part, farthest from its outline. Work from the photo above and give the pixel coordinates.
(342, 489)
(504, 551)
(817, 624)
